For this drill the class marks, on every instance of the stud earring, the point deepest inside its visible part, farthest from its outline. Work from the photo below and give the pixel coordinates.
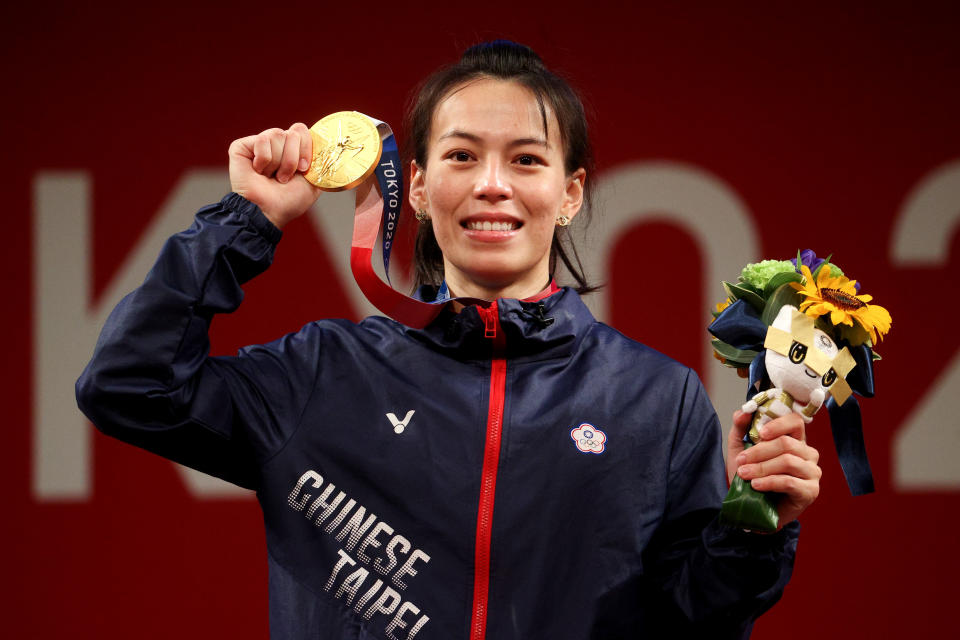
(422, 216)
(562, 221)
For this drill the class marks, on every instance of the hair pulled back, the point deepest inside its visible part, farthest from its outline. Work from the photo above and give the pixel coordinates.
(503, 60)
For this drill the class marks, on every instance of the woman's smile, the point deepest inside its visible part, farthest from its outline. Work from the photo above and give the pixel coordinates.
(490, 227)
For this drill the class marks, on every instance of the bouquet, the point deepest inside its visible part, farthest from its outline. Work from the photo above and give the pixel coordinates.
(803, 336)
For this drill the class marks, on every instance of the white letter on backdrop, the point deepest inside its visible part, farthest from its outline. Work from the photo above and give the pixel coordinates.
(706, 208)
(66, 323)
(927, 447)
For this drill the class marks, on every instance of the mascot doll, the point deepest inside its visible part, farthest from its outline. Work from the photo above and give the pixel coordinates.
(803, 335)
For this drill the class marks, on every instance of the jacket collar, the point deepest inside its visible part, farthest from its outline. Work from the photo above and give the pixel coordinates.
(536, 329)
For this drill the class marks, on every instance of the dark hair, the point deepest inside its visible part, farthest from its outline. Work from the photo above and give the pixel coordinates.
(503, 60)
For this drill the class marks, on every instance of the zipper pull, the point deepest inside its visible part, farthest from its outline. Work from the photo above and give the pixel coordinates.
(489, 320)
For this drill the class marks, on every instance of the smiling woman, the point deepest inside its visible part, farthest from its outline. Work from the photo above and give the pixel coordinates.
(536, 106)
(550, 478)
(495, 189)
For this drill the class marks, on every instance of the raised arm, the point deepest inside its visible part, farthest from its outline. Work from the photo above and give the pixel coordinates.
(150, 381)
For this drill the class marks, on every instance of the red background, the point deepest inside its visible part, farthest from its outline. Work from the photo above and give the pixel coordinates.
(821, 117)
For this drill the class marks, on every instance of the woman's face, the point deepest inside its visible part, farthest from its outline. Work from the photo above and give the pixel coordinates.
(494, 186)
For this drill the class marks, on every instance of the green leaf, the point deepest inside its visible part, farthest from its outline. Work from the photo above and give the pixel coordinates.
(779, 279)
(732, 354)
(738, 292)
(747, 508)
(749, 287)
(729, 291)
(784, 294)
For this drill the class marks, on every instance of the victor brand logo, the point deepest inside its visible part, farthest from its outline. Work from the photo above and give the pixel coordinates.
(400, 425)
(588, 438)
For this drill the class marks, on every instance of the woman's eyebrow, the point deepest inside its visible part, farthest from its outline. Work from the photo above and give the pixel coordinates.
(521, 142)
(457, 133)
(472, 137)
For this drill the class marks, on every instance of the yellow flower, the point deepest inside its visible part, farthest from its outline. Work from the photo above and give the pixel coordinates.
(723, 305)
(837, 295)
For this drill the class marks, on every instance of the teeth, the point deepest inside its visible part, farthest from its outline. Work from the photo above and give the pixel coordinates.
(486, 225)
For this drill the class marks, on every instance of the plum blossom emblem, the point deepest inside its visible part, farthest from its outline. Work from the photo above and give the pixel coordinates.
(588, 438)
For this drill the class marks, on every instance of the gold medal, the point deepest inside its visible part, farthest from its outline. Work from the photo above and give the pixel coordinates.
(346, 149)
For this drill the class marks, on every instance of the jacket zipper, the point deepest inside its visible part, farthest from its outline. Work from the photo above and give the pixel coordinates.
(488, 479)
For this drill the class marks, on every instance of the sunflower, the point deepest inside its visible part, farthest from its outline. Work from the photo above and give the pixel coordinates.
(837, 295)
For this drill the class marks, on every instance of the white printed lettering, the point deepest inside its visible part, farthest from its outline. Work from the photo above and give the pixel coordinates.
(397, 621)
(344, 560)
(397, 540)
(298, 505)
(413, 631)
(333, 524)
(371, 540)
(407, 568)
(351, 584)
(328, 507)
(381, 606)
(356, 528)
(365, 598)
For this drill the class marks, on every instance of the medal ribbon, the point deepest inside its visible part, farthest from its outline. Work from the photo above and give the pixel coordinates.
(378, 211)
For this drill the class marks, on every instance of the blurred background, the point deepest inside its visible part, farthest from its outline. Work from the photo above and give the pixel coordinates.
(725, 133)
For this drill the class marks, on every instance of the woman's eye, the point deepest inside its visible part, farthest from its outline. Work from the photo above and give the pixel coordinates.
(460, 156)
(528, 160)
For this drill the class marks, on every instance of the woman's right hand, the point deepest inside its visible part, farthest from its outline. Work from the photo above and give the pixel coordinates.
(264, 168)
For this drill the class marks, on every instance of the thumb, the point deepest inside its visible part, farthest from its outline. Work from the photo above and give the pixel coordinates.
(741, 422)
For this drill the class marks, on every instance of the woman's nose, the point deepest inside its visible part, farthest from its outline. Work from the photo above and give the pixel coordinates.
(492, 182)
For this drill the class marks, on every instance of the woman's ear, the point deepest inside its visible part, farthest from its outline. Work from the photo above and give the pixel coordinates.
(417, 195)
(573, 198)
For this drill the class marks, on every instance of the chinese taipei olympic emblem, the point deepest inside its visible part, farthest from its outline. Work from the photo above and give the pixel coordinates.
(588, 438)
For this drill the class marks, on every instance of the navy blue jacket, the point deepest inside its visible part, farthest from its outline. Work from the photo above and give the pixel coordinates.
(517, 471)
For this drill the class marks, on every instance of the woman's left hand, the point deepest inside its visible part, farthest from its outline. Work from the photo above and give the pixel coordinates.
(782, 461)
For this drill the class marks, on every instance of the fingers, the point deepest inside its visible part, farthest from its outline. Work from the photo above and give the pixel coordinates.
(297, 150)
(263, 169)
(263, 150)
(769, 449)
(789, 425)
(279, 153)
(242, 147)
(306, 146)
(801, 492)
(798, 466)
(741, 422)
(782, 462)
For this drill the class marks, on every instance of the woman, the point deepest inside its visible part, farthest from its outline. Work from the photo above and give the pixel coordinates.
(549, 478)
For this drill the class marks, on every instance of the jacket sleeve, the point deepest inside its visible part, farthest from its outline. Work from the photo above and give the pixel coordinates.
(151, 381)
(715, 580)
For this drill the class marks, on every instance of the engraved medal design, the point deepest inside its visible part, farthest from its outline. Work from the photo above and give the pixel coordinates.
(346, 150)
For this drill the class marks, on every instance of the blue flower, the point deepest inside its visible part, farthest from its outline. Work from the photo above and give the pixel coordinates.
(809, 258)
